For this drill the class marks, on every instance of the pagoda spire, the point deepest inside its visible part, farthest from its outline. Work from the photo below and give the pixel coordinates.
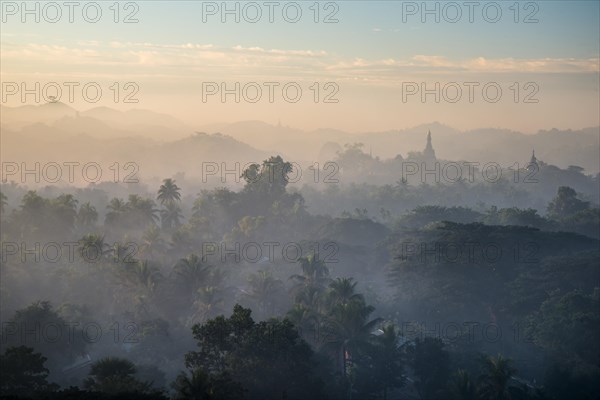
(429, 153)
(533, 159)
(533, 162)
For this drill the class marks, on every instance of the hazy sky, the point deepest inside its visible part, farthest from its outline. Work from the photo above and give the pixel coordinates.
(379, 56)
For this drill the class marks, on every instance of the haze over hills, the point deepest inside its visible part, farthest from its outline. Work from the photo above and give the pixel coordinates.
(54, 129)
(154, 160)
(382, 200)
(562, 148)
(103, 122)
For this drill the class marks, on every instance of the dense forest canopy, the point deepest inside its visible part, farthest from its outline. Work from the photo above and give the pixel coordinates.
(299, 200)
(361, 290)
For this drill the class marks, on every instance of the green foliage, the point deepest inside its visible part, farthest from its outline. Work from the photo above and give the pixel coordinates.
(40, 327)
(423, 215)
(22, 372)
(585, 222)
(170, 216)
(92, 248)
(567, 380)
(353, 231)
(40, 217)
(461, 386)
(431, 366)
(114, 375)
(168, 192)
(3, 202)
(494, 381)
(87, 216)
(568, 325)
(269, 180)
(516, 216)
(191, 273)
(136, 213)
(264, 291)
(315, 275)
(555, 275)
(446, 268)
(269, 359)
(381, 368)
(329, 345)
(199, 385)
(566, 204)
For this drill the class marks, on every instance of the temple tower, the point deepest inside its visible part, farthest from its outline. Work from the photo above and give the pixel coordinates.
(429, 153)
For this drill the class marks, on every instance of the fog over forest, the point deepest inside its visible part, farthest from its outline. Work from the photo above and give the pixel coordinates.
(377, 275)
(372, 238)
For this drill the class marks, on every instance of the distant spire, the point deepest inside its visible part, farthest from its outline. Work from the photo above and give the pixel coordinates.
(279, 123)
(532, 161)
(429, 153)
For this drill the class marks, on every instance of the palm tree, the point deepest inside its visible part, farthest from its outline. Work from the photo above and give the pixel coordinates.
(206, 386)
(310, 314)
(65, 209)
(168, 192)
(309, 311)
(32, 212)
(3, 202)
(141, 278)
(495, 377)
(314, 274)
(151, 241)
(142, 275)
(143, 211)
(461, 387)
(68, 200)
(112, 366)
(341, 291)
(92, 248)
(307, 321)
(264, 290)
(350, 330)
(114, 375)
(196, 386)
(32, 201)
(170, 216)
(386, 357)
(193, 272)
(117, 208)
(124, 254)
(87, 215)
(183, 240)
(210, 302)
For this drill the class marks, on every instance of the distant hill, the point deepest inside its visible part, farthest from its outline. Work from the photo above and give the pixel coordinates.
(506, 147)
(41, 143)
(57, 120)
(151, 124)
(18, 117)
(101, 122)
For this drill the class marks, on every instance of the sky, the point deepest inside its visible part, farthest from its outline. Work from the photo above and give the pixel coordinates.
(351, 65)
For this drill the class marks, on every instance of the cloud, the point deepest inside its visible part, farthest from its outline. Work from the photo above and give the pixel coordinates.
(185, 60)
(544, 65)
(441, 64)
